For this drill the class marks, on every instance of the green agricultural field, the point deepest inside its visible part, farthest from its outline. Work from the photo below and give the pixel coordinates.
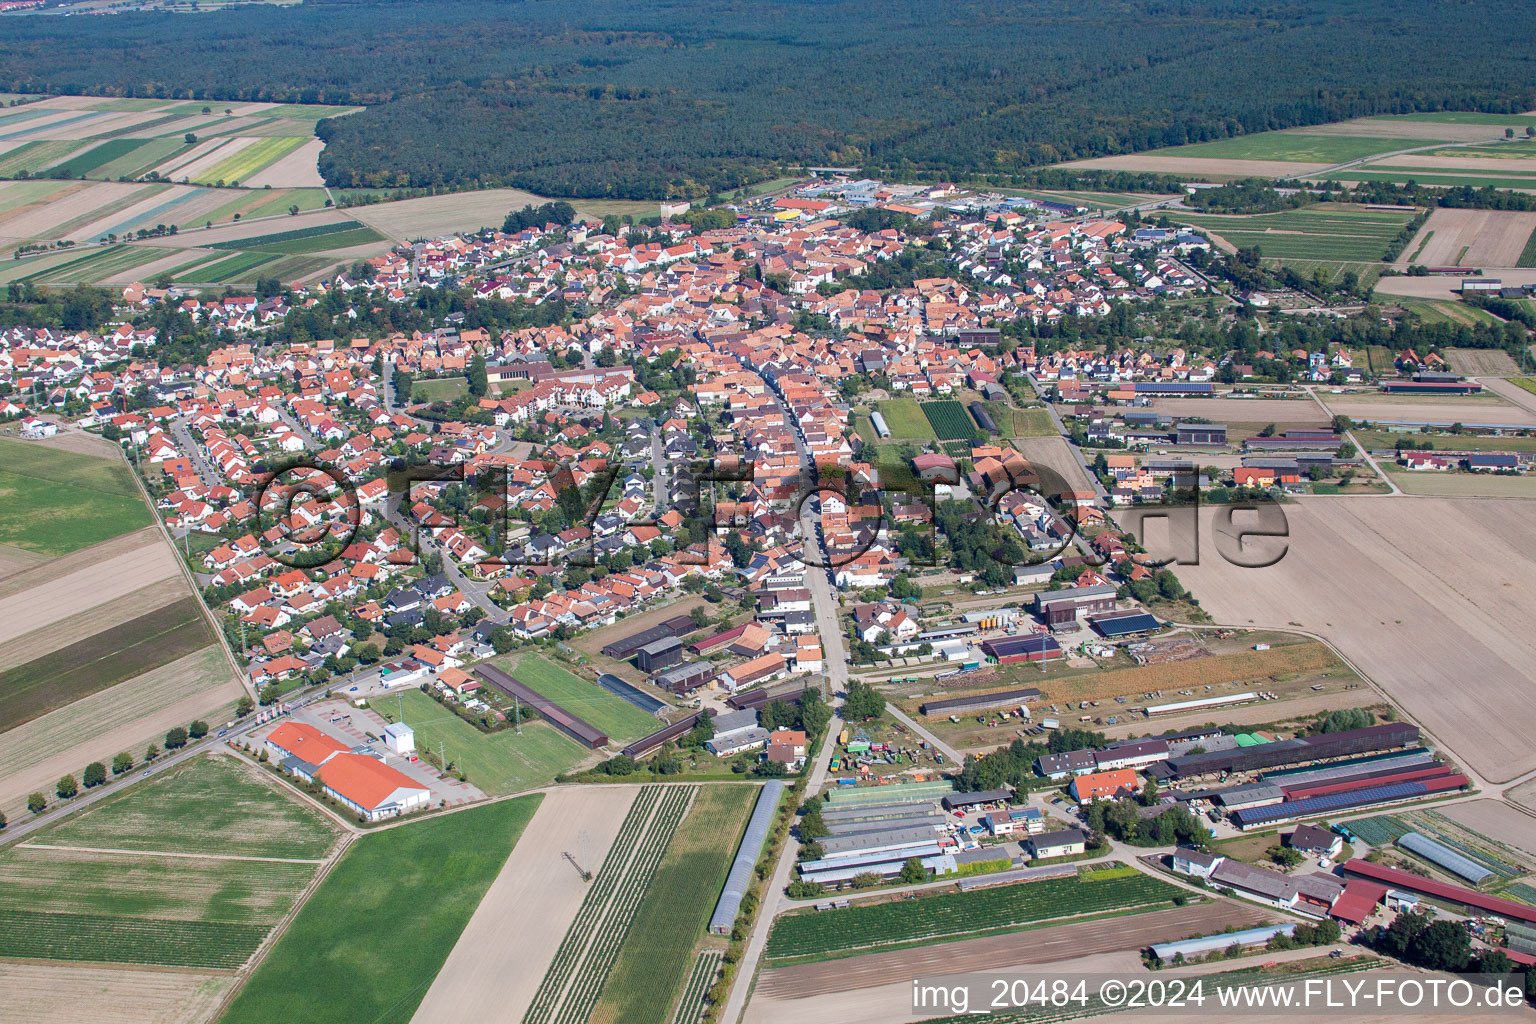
(280, 200)
(130, 908)
(1524, 383)
(253, 158)
(671, 918)
(944, 916)
(905, 419)
(445, 389)
(144, 156)
(1438, 176)
(367, 944)
(1325, 231)
(1384, 439)
(499, 763)
(326, 243)
(278, 237)
(60, 501)
(103, 659)
(120, 258)
(614, 715)
(39, 155)
(16, 194)
(1528, 254)
(238, 267)
(950, 421)
(1033, 422)
(88, 161)
(1516, 121)
(212, 805)
(1294, 147)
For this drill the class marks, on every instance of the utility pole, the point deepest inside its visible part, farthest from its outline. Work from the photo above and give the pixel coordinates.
(517, 714)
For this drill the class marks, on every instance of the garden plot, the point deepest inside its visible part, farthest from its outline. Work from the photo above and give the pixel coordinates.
(496, 966)
(586, 955)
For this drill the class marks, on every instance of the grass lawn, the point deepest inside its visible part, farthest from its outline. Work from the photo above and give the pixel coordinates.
(36, 687)
(614, 715)
(500, 763)
(659, 947)
(369, 942)
(214, 805)
(904, 417)
(54, 519)
(444, 390)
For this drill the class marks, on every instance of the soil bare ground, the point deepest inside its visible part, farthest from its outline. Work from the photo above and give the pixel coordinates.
(1444, 629)
(1490, 238)
(109, 578)
(1485, 362)
(1513, 392)
(125, 717)
(1496, 820)
(1039, 946)
(298, 169)
(1443, 287)
(1473, 409)
(1248, 410)
(14, 560)
(38, 993)
(498, 962)
(1404, 128)
(90, 622)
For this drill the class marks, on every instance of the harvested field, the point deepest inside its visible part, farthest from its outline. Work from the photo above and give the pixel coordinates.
(1440, 617)
(125, 717)
(1055, 454)
(298, 169)
(1200, 166)
(1483, 362)
(111, 577)
(1497, 821)
(1413, 128)
(495, 967)
(431, 216)
(1490, 238)
(784, 986)
(90, 622)
(1299, 411)
(1462, 485)
(38, 993)
(1443, 287)
(1508, 389)
(75, 209)
(1432, 409)
(14, 560)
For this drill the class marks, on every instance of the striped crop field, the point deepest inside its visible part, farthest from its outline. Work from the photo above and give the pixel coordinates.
(249, 160)
(144, 156)
(236, 268)
(1326, 231)
(120, 258)
(36, 156)
(83, 163)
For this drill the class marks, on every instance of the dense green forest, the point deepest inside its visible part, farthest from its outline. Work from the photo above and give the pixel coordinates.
(653, 98)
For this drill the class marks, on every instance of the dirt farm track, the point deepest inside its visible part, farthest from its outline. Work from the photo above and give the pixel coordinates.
(1444, 630)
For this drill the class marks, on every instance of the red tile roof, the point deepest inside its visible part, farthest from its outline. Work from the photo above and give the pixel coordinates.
(364, 780)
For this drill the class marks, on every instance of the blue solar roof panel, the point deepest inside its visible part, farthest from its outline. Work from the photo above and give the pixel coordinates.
(1331, 802)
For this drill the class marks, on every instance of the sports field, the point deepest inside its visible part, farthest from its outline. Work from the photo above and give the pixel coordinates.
(1324, 231)
(58, 501)
(498, 763)
(904, 417)
(617, 717)
(214, 805)
(368, 943)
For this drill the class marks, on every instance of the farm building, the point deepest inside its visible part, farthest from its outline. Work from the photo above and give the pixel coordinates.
(578, 729)
(1200, 433)
(1286, 753)
(1426, 387)
(684, 679)
(736, 731)
(1124, 624)
(1179, 707)
(935, 466)
(1059, 609)
(983, 418)
(1006, 822)
(1009, 649)
(1131, 754)
(1063, 843)
(1409, 882)
(645, 744)
(749, 673)
(659, 654)
(623, 650)
(756, 698)
(371, 788)
(992, 618)
(1357, 901)
(1189, 861)
(903, 793)
(1443, 856)
(1192, 948)
(305, 746)
(1317, 806)
(729, 904)
(1086, 789)
(1071, 762)
(1320, 842)
(980, 701)
(980, 798)
(878, 422)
